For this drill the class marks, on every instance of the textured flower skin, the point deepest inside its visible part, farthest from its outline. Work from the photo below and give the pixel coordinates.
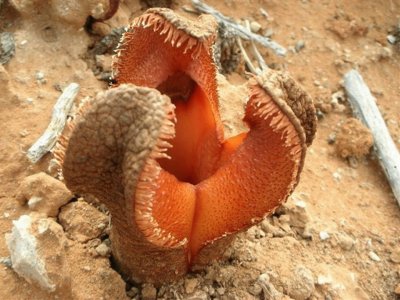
(152, 149)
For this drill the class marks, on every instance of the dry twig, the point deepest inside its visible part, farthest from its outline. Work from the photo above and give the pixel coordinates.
(240, 31)
(364, 108)
(59, 116)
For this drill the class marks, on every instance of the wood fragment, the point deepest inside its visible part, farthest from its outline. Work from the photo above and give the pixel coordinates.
(58, 119)
(240, 30)
(246, 58)
(364, 108)
(264, 13)
(257, 54)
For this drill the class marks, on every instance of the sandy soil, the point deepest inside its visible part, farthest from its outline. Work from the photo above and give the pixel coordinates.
(338, 235)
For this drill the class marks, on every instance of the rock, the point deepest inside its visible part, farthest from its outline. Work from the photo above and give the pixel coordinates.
(7, 47)
(82, 222)
(221, 291)
(322, 280)
(149, 292)
(299, 45)
(190, 285)
(103, 250)
(372, 255)
(255, 233)
(255, 289)
(6, 261)
(269, 33)
(271, 229)
(301, 286)
(43, 193)
(72, 12)
(331, 138)
(395, 256)
(353, 139)
(397, 289)
(40, 78)
(132, 292)
(269, 290)
(297, 212)
(345, 241)
(323, 235)
(37, 246)
(199, 295)
(391, 39)
(255, 26)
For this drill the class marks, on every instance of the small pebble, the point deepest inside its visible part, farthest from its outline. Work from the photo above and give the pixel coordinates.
(323, 235)
(255, 289)
(255, 26)
(397, 289)
(24, 133)
(299, 45)
(300, 204)
(221, 291)
(86, 268)
(132, 292)
(395, 256)
(372, 255)
(149, 292)
(302, 286)
(322, 280)
(337, 176)
(331, 138)
(29, 100)
(391, 39)
(190, 285)
(199, 295)
(40, 77)
(6, 261)
(269, 32)
(345, 241)
(103, 250)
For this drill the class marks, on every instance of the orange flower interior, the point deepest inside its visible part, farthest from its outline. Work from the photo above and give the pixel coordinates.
(208, 187)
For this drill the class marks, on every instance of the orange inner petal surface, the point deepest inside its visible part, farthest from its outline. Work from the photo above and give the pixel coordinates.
(208, 187)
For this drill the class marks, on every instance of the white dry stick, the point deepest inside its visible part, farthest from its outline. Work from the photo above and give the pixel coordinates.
(364, 107)
(238, 29)
(257, 54)
(58, 118)
(246, 58)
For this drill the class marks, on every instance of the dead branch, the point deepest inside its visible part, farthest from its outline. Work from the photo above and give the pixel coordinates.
(58, 118)
(364, 108)
(239, 30)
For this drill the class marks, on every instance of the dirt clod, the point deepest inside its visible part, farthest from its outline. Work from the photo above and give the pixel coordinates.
(302, 285)
(353, 139)
(81, 221)
(43, 193)
(190, 285)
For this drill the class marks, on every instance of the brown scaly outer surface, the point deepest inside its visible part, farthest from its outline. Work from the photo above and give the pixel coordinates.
(107, 150)
(281, 87)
